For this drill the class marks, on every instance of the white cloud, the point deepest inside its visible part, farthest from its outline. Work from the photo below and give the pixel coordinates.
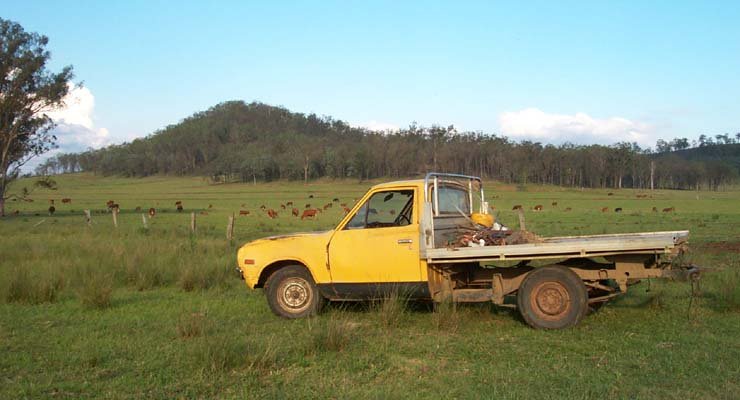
(75, 129)
(534, 124)
(377, 126)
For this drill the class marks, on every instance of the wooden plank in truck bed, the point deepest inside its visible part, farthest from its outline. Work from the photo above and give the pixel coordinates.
(564, 246)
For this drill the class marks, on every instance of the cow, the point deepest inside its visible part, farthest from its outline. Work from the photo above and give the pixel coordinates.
(392, 212)
(568, 209)
(554, 204)
(538, 207)
(263, 208)
(516, 207)
(604, 209)
(152, 212)
(210, 206)
(289, 204)
(179, 207)
(669, 209)
(310, 213)
(336, 200)
(282, 206)
(243, 212)
(295, 212)
(16, 212)
(66, 200)
(610, 194)
(618, 210)
(272, 213)
(51, 210)
(310, 196)
(346, 210)
(655, 209)
(109, 203)
(51, 201)
(203, 212)
(178, 203)
(343, 205)
(327, 205)
(138, 208)
(308, 205)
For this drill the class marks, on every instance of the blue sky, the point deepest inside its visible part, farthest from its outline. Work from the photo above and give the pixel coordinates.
(589, 72)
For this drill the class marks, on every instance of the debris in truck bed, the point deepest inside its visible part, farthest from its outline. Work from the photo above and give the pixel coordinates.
(494, 237)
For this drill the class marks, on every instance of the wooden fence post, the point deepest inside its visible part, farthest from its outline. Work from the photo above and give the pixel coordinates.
(522, 226)
(192, 222)
(88, 217)
(143, 221)
(230, 228)
(115, 217)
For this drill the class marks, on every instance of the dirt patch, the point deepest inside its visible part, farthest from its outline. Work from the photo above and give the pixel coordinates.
(722, 247)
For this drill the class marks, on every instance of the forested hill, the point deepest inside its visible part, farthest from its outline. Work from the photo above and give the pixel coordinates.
(235, 141)
(723, 153)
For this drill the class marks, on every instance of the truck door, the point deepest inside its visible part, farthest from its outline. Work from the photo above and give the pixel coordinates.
(377, 249)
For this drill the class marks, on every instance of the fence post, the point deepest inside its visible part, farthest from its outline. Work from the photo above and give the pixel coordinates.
(115, 217)
(230, 228)
(192, 222)
(522, 226)
(88, 217)
(143, 221)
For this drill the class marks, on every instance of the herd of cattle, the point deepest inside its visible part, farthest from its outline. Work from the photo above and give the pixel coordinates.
(310, 212)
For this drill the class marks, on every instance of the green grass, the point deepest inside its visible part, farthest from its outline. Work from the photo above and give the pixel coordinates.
(157, 312)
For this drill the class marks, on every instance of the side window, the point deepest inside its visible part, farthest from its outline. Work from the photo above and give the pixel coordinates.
(385, 209)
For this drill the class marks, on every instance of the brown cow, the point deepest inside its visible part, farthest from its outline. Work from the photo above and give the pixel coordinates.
(610, 194)
(51, 210)
(310, 196)
(343, 205)
(310, 213)
(346, 210)
(66, 200)
(179, 207)
(308, 205)
(178, 203)
(282, 206)
(296, 212)
(604, 209)
(655, 209)
(554, 204)
(516, 207)
(152, 212)
(210, 206)
(109, 203)
(204, 212)
(243, 212)
(336, 200)
(538, 207)
(262, 207)
(669, 209)
(568, 209)
(272, 213)
(51, 201)
(289, 204)
(328, 205)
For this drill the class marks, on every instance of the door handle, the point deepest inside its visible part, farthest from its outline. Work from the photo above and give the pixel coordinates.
(405, 241)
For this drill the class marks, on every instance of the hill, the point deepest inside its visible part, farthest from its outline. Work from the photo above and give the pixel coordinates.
(236, 141)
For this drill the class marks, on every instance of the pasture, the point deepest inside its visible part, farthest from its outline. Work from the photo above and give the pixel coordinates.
(158, 312)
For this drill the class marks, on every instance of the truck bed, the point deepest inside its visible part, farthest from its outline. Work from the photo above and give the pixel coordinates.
(563, 247)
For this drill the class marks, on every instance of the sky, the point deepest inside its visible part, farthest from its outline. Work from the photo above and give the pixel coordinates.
(583, 72)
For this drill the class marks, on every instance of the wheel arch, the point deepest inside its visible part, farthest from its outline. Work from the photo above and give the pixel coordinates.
(275, 266)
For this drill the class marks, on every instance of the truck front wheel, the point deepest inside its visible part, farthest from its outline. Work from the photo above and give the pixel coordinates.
(292, 293)
(552, 297)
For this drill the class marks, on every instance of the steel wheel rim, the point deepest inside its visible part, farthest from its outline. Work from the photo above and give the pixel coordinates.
(550, 301)
(294, 294)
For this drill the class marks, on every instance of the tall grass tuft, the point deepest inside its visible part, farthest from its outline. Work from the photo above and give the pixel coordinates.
(24, 287)
(725, 288)
(95, 287)
(392, 309)
(192, 324)
(220, 354)
(333, 336)
(446, 317)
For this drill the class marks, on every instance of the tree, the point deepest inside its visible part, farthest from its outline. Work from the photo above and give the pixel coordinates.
(27, 91)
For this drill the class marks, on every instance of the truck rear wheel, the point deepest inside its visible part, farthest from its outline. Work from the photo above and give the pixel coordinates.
(292, 293)
(552, 297)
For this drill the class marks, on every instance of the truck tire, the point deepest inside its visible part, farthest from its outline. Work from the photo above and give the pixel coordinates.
(292, 293)
(552, 297)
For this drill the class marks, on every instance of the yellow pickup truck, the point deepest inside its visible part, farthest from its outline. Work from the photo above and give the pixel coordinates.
(403, 236)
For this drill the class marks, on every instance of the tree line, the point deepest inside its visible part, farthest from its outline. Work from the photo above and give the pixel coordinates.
(236, 141)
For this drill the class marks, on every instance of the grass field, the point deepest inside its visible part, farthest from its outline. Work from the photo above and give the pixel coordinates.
(155, 312)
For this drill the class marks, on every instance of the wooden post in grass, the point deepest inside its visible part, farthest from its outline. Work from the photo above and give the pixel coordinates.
(192, 222)
(88, 217)
(522, 225)
(230, 228)
(115, 217)
(143, 221)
